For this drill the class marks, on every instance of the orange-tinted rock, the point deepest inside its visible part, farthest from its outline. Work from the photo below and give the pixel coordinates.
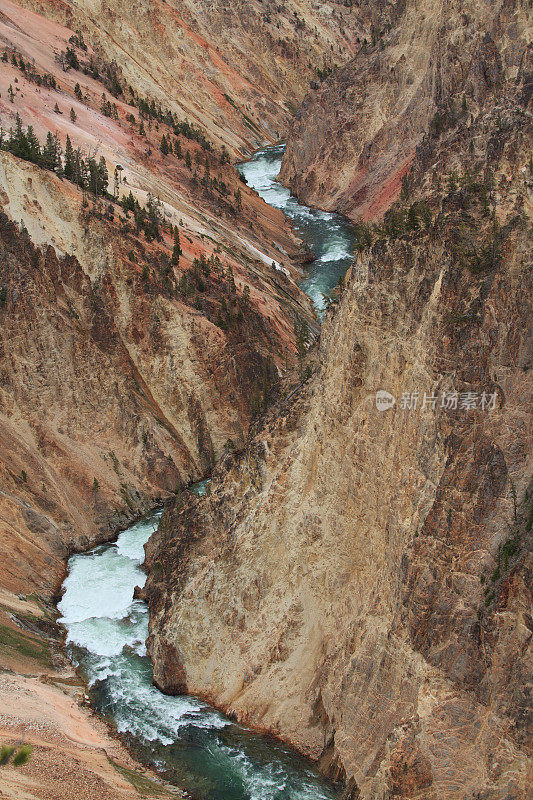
(359, 581)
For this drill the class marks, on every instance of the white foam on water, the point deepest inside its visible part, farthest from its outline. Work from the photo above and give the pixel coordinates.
(104, 637)
(99, 584)
(103, 619)
(107, 628)
(142, 710)
(271, 781)
(328, 234)
(131, 542)
(338, 253)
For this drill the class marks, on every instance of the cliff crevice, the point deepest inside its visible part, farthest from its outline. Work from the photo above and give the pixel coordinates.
(359, 580)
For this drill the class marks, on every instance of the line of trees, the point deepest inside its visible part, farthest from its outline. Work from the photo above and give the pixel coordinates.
(29, 71)
(148, 109)
(148, 218)
(85, 171)
(88, 173)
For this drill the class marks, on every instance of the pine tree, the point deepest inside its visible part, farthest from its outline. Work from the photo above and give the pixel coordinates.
(71, 58)
(34, 148)
(17, 143)
(188, 159)
(413, 218)
(452, 182)
(81, 171)
(153, 219)
(58, 168)
(164, 146)
(73, 116)
(52, 154)
(49, 152)
(177, 148)
(11, 94)
(176, 251)
(231, 280)
(98, 176)
(69, 160)
(103, 175)
(77, 92)
(128, 202)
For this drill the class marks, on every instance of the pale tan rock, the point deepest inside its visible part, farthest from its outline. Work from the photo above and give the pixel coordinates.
(338, 587)
(354, 139)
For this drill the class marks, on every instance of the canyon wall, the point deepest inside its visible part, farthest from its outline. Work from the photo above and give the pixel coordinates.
(239, 68)
(143, 323)
(126, 370)
(354, 138)
(358, 581)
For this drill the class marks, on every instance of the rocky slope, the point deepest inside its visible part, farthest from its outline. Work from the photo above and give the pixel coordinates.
(237, 68)
(128, 365)
(354, 138)
(359, 580)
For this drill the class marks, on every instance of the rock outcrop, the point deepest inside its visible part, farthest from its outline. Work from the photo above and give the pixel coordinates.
(359, 580)
(354, 139)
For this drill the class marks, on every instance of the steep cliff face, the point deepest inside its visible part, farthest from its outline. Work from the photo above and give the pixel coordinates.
(354, 139)
(359, 580)
(239, 69)
(142, 327)
(125, 369)
(99, 417)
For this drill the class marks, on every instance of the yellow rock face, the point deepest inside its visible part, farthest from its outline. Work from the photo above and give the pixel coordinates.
(357, 582)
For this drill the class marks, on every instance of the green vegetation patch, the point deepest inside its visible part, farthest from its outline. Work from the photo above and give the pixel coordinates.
(146, 787)
(24, 645)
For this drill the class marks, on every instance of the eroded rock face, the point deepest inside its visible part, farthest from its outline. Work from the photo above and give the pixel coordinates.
(125, 369)
(359, 581)
(355, 138)
(102, 415)
(238, 68)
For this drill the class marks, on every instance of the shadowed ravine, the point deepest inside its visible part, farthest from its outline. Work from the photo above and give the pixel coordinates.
(194, 746)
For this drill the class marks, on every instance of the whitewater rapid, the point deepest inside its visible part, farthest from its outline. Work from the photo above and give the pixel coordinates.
(191, 744)
(330, 237)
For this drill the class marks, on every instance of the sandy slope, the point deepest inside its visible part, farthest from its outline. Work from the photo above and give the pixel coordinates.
(42, 704)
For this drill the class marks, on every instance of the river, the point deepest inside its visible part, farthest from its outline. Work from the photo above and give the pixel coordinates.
(191, 744)
(330, 237)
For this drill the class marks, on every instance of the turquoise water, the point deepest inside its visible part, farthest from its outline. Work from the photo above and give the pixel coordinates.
(193, 745)
(190, 743)
(330, 237)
